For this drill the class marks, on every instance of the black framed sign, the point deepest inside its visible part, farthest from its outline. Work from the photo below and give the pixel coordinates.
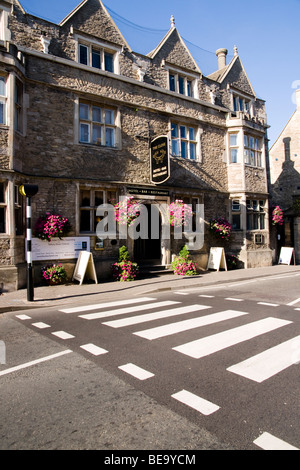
(159, 160)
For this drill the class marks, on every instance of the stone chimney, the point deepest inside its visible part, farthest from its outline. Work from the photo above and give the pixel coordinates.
(221, 54)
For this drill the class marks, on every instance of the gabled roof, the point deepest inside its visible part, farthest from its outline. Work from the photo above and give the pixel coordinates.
(234, 66)
(171, 38)
(98, 5)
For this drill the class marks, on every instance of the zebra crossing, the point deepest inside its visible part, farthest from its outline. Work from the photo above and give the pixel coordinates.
(124, 314)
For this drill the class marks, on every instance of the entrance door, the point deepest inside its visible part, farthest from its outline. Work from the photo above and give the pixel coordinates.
(149, 251)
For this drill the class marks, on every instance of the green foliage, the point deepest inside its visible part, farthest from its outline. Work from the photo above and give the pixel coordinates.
(183, 264)
(124, 270)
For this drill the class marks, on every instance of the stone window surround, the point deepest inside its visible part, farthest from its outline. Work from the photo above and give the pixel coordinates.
(197, 141)
(247, 207)
(102, 47)
(92, 207)
(100, 104)
(245, 100)
(241, 133)
(187, 77)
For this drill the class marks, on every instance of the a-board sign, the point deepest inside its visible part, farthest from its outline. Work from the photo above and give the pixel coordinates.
(217, 259)
(85, 267)
(286, 255)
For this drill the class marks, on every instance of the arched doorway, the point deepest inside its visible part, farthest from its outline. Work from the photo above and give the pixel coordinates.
(148, 251)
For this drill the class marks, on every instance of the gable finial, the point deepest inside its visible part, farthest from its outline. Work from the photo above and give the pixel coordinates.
(235, 49)
(172, 22)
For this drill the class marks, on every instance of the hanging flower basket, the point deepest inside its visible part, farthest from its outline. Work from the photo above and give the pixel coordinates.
(180, 214)
(126, 211)
(51, 225)
(220, 228)
(277, 216)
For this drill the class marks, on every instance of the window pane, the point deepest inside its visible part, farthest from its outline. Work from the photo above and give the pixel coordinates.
(2, 113)
(2, 220)
(2, 86)
(174, 130)
(85, 223)
(98, 198)
(96, 59)
(233, 155)
(84, 111)
(184, 149)
(193, 151)
(262, 222)
(84, 132)
(236, 222)
(172, 82)
(83, 54)
(192, 133)
(97, 114)
(246, 141)
(110, 137)
(247, 157)
(175, 147)
(236, 205)
(97, 134)
(85, 200)
(233, 140)
(183, 132)
(241, 104)
(189, 88)
(181, 85)
(109, 62)
(235, 104)
(109, 117)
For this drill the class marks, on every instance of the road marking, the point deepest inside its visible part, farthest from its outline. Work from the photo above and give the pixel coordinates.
(136, 371)
(172, 328)
(268, 442)
(234, 299)
(41, 325)
(121, 311)
(197, 403)
(207, 296)
(155, 316)
(32, 363)
(62, 335)
(23, 317)
(116, 303)
(294, 302)
(268, 304)
(211, 344)
(93, 349)
(181, 293)
(270, 362)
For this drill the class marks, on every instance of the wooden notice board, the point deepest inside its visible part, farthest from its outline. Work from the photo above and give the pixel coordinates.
(217, 259)
(85, 267)
(286, 255)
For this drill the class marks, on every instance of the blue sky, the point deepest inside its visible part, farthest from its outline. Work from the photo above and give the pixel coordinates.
(266, 33)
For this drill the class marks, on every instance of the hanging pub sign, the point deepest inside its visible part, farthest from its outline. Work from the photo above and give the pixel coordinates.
(159, 160)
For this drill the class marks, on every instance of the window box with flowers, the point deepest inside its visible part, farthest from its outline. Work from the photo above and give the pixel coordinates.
(220, 228)
(51, 225)
(54, 274)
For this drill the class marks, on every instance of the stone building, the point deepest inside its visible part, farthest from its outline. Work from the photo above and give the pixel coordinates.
(79, 109)
(285, 183)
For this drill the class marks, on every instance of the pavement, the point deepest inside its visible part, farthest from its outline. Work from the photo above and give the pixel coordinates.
(73, 293)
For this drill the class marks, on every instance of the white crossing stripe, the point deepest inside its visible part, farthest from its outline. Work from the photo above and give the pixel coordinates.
(233, 299)
(268, 442)
(155, 316)
(23, 317)
(33, 363)
(268, 304)
(211, 344)
(270, 362)
(63, 335)
(136, 371)
(121, 311)
(41, 325)
(197, 403)
(93, 349)
(117, 303)
(297, 301)
(172, 328)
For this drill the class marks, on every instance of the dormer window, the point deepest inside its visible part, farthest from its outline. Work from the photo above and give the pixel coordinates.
(98, 57)
(242, 104)
(182, 84)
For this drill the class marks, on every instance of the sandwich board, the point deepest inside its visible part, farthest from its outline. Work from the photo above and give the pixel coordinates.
(85, 266)
(286, 255)
(217, 259)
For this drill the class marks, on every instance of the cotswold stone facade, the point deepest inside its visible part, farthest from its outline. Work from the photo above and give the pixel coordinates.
(79, 110)
(285, 183)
